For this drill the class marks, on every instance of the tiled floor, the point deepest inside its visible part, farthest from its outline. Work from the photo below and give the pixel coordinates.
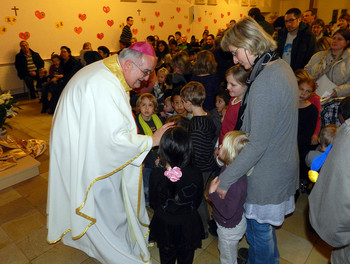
(23, 223)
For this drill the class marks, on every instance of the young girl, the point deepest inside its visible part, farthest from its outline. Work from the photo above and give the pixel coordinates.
(315, 100)
(308, 115)
(221, 101)
(176, 102)
(236, 78)
(41, 82)
(147, 123)
(160, 87)
(175, 194)
(229, 212)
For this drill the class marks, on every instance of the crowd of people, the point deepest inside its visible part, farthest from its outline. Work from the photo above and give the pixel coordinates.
(249, 105)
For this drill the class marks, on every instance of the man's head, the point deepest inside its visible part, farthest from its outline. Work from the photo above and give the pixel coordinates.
(183, 39)
(210, 39)
(309, 17)
(24, 46)
(138, 62)
(256, 14)
(130, 21)
(292, 20)
(177, 35)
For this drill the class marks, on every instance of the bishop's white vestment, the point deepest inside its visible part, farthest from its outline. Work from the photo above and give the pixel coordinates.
(95, 197)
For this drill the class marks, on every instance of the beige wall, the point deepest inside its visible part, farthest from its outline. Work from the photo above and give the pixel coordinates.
(46, 38)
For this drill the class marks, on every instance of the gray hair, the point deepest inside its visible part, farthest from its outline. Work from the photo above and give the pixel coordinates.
(130, 54)
(248, 34)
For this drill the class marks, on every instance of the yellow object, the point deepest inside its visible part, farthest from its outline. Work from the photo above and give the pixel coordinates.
(313, 175)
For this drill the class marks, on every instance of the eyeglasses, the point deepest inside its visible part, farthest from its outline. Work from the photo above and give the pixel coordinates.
(145, 72)
(234, 53)
(290, 20)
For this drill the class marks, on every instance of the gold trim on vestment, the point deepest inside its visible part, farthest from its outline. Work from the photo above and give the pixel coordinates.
(112, 63)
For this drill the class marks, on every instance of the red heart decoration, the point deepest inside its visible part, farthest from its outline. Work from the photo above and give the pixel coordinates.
(106, 9)
(240, 15)
(110, 22)
(78, 30)
(152, 27)
(82, 17)
(161, 24)
(206, 27)
(157, 13)
(199, 19)
(134, 31)
(24, 35)
(179, 26)
(228, 13)
(39, 14)
(178, 9)
(222, 15)
(227, 25)
(188, 30)
(215, 21)
(100, 35)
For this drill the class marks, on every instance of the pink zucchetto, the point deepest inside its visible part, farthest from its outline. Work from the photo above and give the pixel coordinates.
(143, 47)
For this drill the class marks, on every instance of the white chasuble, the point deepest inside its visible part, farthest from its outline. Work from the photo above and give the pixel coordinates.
(95, 197)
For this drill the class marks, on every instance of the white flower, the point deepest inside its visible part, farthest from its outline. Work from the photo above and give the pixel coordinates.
(1, 101)
(6, 96)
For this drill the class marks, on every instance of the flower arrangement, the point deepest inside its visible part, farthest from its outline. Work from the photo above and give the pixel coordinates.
(7, 106)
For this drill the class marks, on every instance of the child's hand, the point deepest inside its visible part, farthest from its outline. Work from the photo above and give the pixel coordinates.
(314, 140)
(214, 185)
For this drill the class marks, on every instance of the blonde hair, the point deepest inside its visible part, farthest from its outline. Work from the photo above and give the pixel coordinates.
(248, 34)
(239, 74)
(163, 70)
(193, 92)
(205, 63)
(181, 61)
(150, 97)
(232, 144)
(327, 135)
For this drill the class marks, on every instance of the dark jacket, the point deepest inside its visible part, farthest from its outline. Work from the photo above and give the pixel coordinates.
(21, 63)
(303, 46)
(265, 25)
(70, 68)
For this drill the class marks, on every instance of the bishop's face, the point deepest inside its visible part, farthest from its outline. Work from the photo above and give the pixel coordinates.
(138, 71)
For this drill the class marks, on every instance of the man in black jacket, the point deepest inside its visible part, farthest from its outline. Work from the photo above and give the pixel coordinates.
(28, 64)
(296, 43)
(260, 19)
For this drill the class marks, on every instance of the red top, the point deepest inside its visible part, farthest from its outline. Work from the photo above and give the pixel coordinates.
(230, 119)
(316, 101)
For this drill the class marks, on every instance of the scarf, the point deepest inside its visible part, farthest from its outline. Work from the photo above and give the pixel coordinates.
(146, 127)
(259, 64)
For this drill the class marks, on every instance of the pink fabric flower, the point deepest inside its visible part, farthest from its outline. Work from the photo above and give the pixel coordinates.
(173, 174)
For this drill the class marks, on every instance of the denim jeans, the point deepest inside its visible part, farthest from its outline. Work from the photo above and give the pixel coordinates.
(263, 244)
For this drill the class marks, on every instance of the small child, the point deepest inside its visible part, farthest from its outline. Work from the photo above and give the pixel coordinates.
(326, 138)
(160, 87)
(41, 82)
(55, 71)
(177, 104)
(308, 115)
(203, 134)
(222, 99)
(301, 74)
(229, 212)
(168, 109)
(236, 78)
(147, 123)
(175, 194)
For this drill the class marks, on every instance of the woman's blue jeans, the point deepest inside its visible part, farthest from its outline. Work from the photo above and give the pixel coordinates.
(263, 244)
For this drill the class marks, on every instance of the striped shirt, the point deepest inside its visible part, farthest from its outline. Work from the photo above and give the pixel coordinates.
(30, 63)
(202, 131)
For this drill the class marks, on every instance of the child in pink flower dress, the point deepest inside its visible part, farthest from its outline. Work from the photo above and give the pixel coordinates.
(176, 190)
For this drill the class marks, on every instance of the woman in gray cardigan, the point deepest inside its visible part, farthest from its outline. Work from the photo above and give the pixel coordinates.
(269, 112)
